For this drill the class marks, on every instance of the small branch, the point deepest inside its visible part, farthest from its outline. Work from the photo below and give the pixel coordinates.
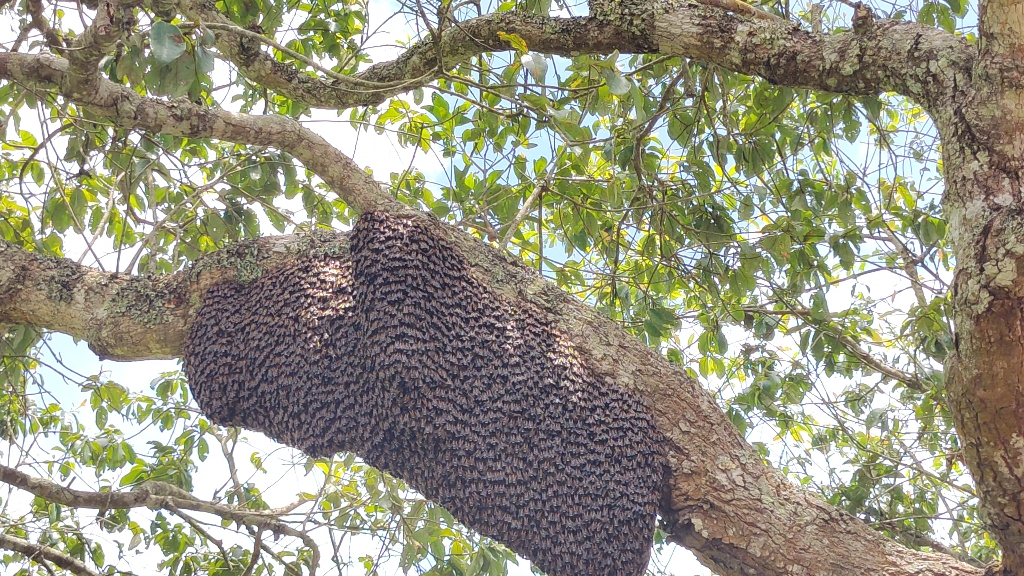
(202, 532)
(538, 190)
(229, 457)
(42, 554)
(909, 380)
(288, 568)
(234, 29)
(39, 22)
(94, 44)
(510, 231)
(153, 494)
(257, 544)
(419, 65)
(909, 264)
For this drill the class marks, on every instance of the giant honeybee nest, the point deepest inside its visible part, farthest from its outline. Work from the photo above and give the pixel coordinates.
(399, 355)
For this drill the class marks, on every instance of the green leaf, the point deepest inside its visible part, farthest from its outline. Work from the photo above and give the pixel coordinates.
(166, 41)
(515, 40)
(617, 84)
(207, 38)
(204, 60)
(177, 77)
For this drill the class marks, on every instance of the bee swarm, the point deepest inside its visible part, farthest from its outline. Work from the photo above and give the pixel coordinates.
(397, 354)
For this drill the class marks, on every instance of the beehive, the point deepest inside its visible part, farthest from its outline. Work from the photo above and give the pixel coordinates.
(397, 354)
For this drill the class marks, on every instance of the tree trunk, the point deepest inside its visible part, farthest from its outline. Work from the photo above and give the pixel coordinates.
(983, 151)
(985, 379)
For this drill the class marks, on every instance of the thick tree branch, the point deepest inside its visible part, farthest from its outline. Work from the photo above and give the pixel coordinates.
(719, 485)
(422, 63)
(882, 56)
(127, 317)
(182, 118)
(153, 494)
(38, 553)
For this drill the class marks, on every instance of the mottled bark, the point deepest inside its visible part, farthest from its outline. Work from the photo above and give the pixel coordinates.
(879, 56)
(1001, 25)
(422, 63)
(985, 375)
(982, 128)
(865, 61)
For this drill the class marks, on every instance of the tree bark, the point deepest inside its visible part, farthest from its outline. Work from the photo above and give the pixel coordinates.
(985, 380)
(982, 129)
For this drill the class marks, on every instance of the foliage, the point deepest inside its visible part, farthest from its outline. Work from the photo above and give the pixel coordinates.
(786, 246)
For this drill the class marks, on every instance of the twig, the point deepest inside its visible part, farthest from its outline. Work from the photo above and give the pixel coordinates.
(364, 85)
(538, 189)
(153, 494)
(35, 10)
(202, 532)
(740, 7)
(42, 554)
(909, 380)
(257, 544)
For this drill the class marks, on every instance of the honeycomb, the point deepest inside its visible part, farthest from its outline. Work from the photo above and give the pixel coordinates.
(398, 354)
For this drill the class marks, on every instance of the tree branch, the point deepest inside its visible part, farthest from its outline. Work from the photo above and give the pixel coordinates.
(418, 66)
(183, 118)
(884, 56)
(716, 477)
(38, 21)
(38, 552)
(95, 43)
(153, 494)
(126, 317)
(908, 379)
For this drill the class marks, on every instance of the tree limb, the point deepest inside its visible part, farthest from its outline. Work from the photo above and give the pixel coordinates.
(180, 117)
(38, 552)
(126, 317)
(716, 476)
(153, 494)
(886, 56)
(420, 64)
